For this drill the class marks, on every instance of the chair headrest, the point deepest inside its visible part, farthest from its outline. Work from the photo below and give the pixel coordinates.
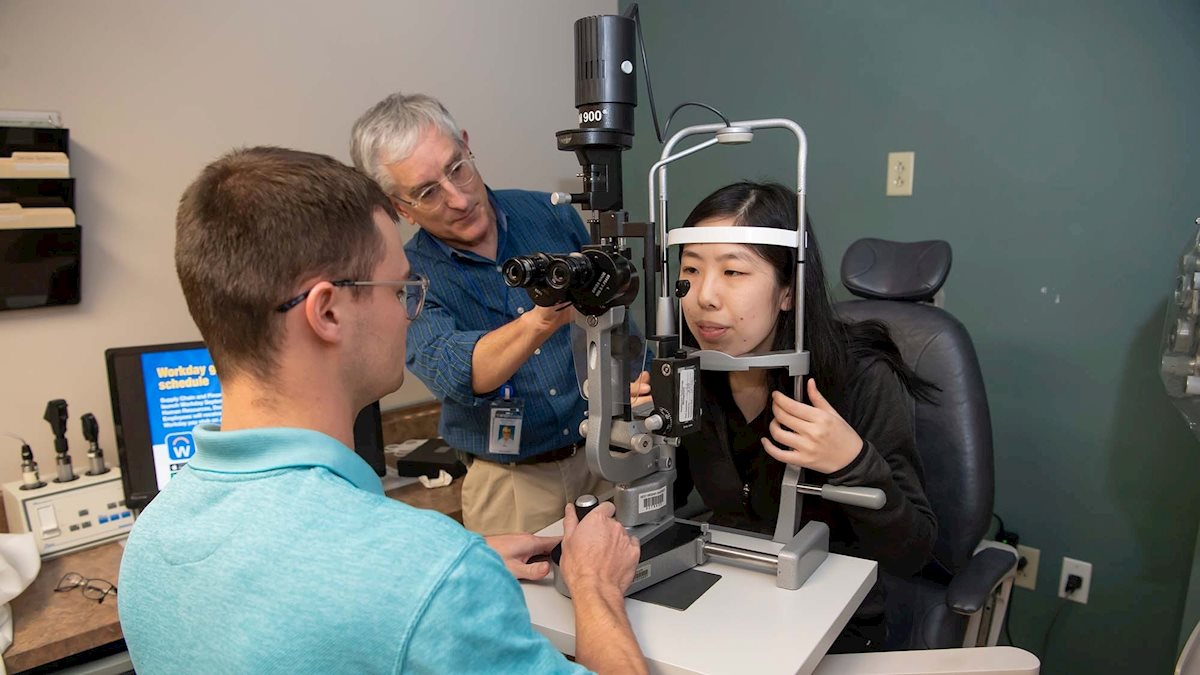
(891, 270)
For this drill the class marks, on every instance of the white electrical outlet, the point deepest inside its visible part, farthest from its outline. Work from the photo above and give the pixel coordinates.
(1027, 577)
(1084, 571)
(900, 173)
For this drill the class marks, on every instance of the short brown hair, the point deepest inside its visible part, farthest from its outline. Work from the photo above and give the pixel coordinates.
(255, 224)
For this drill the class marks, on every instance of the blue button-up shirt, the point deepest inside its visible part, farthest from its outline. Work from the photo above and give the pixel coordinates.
(468, 298)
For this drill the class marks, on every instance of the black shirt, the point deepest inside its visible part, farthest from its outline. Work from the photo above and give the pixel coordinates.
(740, 482)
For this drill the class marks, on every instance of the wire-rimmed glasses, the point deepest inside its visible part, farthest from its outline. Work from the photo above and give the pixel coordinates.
(460, 174)
(411, 292)
(92, 589)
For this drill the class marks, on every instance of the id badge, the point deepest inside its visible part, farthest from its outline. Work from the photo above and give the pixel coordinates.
(504, 437)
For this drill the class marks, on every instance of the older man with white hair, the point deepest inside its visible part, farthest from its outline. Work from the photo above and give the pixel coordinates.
(491, 356)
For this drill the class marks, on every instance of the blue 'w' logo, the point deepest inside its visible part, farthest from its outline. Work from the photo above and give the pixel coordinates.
(180, 446)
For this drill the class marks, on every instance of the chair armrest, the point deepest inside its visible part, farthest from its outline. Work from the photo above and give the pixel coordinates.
(975, 660)
(969, 589)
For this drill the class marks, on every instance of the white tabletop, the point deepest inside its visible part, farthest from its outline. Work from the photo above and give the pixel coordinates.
(744, 623)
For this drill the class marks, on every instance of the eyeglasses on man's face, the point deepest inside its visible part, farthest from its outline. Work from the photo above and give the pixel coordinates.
(92, 589)
(411, 292)
(460, 174)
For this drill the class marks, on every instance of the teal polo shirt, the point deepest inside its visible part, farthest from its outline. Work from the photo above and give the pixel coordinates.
(275, 550)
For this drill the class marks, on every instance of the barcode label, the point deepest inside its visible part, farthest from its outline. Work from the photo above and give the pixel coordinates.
(687, 394)
(652, 500)
(641, 573)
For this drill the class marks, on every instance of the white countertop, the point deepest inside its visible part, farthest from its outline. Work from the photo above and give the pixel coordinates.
(744, 623)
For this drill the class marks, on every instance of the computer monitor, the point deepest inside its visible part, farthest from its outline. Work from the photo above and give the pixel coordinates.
(160, 393)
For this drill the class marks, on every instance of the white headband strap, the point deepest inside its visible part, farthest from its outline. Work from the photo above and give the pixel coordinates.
(772, 236)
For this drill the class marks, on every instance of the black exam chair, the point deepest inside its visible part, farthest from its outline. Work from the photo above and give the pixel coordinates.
(959, 599)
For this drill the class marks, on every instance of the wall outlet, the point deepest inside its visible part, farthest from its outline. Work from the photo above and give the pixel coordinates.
(900, 173)
(1027, 576)
(1078, 567)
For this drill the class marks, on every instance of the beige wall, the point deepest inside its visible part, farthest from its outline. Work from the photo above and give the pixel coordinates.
(153, 90)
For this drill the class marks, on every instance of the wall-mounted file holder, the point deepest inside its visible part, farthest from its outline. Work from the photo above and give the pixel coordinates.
(38, 192)
(33, 139)
(40, 242)
(39, 267)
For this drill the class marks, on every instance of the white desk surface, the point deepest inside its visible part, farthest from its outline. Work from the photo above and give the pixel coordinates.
(744, 623)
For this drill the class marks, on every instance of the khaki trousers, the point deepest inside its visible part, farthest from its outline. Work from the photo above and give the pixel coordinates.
(503, 498)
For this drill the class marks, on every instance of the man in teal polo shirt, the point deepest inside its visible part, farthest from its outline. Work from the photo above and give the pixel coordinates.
(275, 550)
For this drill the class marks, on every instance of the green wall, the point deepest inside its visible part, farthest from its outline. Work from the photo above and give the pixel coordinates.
(1058, 151)
(1191, 610)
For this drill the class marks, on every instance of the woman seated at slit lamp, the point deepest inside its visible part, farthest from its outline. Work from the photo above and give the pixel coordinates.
(855, 429)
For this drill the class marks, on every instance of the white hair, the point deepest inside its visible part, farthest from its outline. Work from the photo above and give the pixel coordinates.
(389, 130)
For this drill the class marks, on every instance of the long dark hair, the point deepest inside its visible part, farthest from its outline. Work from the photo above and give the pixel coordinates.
(837, 349)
